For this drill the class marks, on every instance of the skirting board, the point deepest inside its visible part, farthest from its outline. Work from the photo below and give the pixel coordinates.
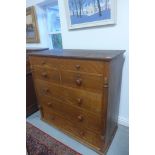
(123, 121)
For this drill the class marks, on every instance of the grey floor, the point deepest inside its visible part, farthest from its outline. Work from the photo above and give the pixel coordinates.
(119, 146)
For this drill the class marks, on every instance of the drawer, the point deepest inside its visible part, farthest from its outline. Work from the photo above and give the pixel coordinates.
(88, 66)
(82, 81)
(80, 98)
(71, 129)
(79, 117)
(44, 62)
(45, 88)
(46, 74)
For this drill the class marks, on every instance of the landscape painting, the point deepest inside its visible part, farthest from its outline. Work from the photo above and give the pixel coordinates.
(32, 34)
(86, 13)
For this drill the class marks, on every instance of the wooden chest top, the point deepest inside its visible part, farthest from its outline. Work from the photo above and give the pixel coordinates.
(105, 55)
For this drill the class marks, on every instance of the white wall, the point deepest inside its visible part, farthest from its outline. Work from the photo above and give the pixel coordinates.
(107, 37)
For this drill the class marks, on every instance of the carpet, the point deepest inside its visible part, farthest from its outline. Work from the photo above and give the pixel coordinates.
(40, 143)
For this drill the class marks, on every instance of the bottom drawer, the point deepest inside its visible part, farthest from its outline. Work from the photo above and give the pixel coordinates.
(81, 118)
(83, 135)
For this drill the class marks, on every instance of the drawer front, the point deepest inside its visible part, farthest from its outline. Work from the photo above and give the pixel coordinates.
(75, 115)
(79, 98)
(71, 129)
(87, 66)
(46, 74)
(82, 81)
(44, 62)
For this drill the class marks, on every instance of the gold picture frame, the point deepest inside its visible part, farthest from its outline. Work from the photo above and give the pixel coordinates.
(32, 33)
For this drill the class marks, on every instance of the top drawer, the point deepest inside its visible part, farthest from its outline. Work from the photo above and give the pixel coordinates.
(44, 62)
(88, 66)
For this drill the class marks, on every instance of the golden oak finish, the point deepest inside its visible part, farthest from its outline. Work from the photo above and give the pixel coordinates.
(46, 74)
(82, 66)
(74, 114)
(80, 98)
(44, 62)
(72, 129)
(78, 93)
(83, 81)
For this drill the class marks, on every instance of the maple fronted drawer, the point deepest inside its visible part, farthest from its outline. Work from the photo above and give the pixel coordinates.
(79, 91)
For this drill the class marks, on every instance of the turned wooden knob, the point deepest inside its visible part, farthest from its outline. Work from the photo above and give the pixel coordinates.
(44, 74)
(78, 82)
(79, 101)
(82, 133)
(77, 66)
(80, 118)
(46, 90)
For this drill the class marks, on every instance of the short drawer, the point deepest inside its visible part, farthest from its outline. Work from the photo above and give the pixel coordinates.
(71, 129)
(87, 66)
(82, 81)
(44, 62)
(46, 74)
(79, 117)
(80, 98)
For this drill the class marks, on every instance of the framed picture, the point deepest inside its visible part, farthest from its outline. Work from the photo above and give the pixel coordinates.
(32, 34)
(88, 13)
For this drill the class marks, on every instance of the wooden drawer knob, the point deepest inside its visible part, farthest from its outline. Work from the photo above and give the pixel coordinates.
(45, 91)
(80, 118)
(44, 74)
(82, 133)
(79, 101)
(79, 82)
(77, 66)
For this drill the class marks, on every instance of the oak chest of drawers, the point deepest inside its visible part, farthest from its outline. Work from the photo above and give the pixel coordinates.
(79, 91)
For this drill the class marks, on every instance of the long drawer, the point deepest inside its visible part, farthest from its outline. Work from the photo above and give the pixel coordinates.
(88, 66)
(83, 99)
(81, 118)
(85, 135)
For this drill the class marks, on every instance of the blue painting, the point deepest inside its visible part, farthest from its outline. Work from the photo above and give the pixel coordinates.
(89, 11)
